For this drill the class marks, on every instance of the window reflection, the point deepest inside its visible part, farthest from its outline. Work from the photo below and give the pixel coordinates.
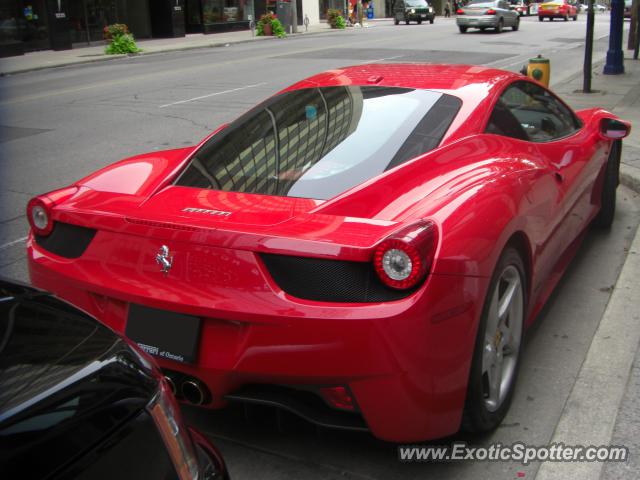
(317, 143)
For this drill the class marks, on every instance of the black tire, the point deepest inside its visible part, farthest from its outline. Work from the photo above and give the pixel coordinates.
(462, 29)
(610, 183)
(516, 26)
(500, 26)
(477, 418)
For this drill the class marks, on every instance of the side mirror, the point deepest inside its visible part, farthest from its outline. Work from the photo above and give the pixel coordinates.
(612, 129)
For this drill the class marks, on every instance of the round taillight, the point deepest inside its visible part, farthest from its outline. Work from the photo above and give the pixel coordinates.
(491, 11)
(460, 12)
(39, 209)
(39, 216)
(404, 260)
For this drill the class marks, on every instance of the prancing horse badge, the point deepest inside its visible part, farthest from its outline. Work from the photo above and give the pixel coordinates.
(164, 259)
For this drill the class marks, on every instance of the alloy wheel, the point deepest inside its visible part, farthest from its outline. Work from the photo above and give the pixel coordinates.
(502, 338)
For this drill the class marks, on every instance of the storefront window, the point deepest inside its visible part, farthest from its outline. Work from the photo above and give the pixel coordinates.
(327, 4)
(217, 11)
(89, 17)
(9, 17)
(24, 21)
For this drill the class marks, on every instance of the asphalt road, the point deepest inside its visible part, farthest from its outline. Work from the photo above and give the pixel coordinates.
(59, 125)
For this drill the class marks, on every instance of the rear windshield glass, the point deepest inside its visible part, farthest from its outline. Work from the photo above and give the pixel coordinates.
(416, 3)
(319, 142)
(480, 3)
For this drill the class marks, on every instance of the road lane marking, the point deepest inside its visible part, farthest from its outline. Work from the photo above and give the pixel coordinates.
(381, 59)
(193, 69)
(15, 242)
(212, 95)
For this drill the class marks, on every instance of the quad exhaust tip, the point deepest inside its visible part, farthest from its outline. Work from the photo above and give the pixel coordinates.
(195, 392)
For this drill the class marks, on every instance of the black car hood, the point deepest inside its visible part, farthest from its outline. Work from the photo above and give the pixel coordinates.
(66, 381)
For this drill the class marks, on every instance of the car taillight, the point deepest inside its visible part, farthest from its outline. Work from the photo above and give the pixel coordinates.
(404, 259)
(491, 11)
(166, 415)
(459, 12)
(39, 209)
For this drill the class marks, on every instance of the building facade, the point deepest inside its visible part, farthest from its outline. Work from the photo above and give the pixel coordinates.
(28, 25)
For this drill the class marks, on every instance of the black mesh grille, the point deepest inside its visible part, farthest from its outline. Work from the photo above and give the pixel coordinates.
(66, 240)
(329, 280)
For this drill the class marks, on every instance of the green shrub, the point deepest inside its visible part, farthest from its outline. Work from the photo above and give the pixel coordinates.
(269, 18)
(278, 29)
(333, 16)
(122, 44)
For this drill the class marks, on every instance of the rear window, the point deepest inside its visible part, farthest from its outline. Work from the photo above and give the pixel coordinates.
(319, 142)
(480, 3)
(416, 3)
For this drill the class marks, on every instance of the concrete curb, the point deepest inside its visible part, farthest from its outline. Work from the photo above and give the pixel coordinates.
(590, 413)
(630, 177)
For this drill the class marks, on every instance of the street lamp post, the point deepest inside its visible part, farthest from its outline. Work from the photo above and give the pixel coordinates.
(588, 50)
(615, 56)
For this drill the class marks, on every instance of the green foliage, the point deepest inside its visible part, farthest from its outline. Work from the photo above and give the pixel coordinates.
(122, 44)
(335, 18)
(278, 29)
(269, 18)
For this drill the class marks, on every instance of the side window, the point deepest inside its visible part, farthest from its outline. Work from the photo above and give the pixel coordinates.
(537, 113)
(502, 122)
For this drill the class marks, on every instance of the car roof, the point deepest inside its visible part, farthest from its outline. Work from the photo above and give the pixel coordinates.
(473, 84)
(446, 78)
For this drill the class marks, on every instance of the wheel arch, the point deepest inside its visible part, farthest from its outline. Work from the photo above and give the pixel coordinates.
(520, 241)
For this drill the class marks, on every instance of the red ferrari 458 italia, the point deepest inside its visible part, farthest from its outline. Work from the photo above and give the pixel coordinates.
(365, 248)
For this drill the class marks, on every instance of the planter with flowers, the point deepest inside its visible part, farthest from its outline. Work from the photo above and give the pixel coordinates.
(270, 25)
(121, 41)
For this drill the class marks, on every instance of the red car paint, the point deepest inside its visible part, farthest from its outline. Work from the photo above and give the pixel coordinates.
(406, 362)
(557, 9)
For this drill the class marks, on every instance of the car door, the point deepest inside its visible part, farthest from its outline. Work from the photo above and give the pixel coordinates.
(556, 138)
(566, 147)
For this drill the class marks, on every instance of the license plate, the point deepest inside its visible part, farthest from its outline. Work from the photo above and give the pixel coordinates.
(164, 334)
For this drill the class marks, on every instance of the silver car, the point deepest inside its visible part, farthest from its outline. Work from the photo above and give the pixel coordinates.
(484, 14)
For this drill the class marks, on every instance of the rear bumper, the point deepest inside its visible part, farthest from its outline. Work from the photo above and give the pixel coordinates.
(419, 16)
(406, 362)
(488, 21)
(545, 14)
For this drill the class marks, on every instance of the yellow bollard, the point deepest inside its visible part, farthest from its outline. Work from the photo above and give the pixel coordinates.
(539, 69)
